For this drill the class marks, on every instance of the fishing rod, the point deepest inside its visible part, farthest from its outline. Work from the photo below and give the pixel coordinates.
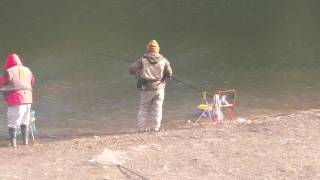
(190, 86)
(173, 78)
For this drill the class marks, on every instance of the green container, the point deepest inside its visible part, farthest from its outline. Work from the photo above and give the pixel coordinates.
(33, 120)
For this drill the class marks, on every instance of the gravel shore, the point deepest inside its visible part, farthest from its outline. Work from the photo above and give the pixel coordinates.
(283, 146)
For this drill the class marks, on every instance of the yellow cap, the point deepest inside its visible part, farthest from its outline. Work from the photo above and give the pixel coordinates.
(153, 46)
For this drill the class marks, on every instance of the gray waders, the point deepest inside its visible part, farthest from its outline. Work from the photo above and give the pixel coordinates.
(13, 136)
(25, 134)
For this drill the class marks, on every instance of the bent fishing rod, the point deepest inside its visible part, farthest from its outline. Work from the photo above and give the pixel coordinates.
(173, 78)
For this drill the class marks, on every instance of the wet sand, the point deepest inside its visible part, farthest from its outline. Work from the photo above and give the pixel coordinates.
(280, 146)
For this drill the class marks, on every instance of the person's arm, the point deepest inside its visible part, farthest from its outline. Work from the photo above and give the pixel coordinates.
(33, 80)
(136, 67)
(4, 79)
(168, 70)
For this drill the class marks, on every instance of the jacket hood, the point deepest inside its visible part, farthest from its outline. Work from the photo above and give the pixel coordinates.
(12, 60)
(153, 58)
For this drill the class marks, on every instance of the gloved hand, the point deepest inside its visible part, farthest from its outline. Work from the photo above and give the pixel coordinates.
(165, 78)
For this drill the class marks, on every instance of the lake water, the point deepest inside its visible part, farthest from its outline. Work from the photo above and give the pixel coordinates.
(268, 50)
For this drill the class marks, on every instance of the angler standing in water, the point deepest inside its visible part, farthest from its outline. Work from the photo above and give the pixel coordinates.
(152, 69)
(16, 84)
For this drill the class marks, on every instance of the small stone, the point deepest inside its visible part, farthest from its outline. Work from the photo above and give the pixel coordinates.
(241, 120)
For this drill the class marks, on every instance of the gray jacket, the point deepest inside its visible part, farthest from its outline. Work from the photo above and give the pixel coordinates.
(152, 67)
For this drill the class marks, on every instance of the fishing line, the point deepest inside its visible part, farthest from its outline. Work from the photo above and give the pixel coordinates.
(173, 78)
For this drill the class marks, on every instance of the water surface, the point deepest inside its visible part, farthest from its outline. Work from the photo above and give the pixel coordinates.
(267, 50)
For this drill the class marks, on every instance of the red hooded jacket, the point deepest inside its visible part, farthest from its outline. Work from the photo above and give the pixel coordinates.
(17, 82)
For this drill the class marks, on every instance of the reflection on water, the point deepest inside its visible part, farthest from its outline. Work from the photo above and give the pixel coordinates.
(267, 50)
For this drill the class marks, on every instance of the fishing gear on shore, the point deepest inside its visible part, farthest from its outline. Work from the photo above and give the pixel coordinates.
(33, 128)
(223, 101)
(204, 109)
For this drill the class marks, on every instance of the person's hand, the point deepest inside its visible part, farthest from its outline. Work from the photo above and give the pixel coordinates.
(165, 78)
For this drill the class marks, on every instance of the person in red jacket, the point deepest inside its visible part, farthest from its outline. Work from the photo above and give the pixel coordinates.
(16, 84)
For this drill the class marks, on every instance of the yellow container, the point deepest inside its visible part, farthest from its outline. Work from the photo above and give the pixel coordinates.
(204, 107)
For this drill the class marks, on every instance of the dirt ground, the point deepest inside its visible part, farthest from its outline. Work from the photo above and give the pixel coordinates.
(273, 147)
